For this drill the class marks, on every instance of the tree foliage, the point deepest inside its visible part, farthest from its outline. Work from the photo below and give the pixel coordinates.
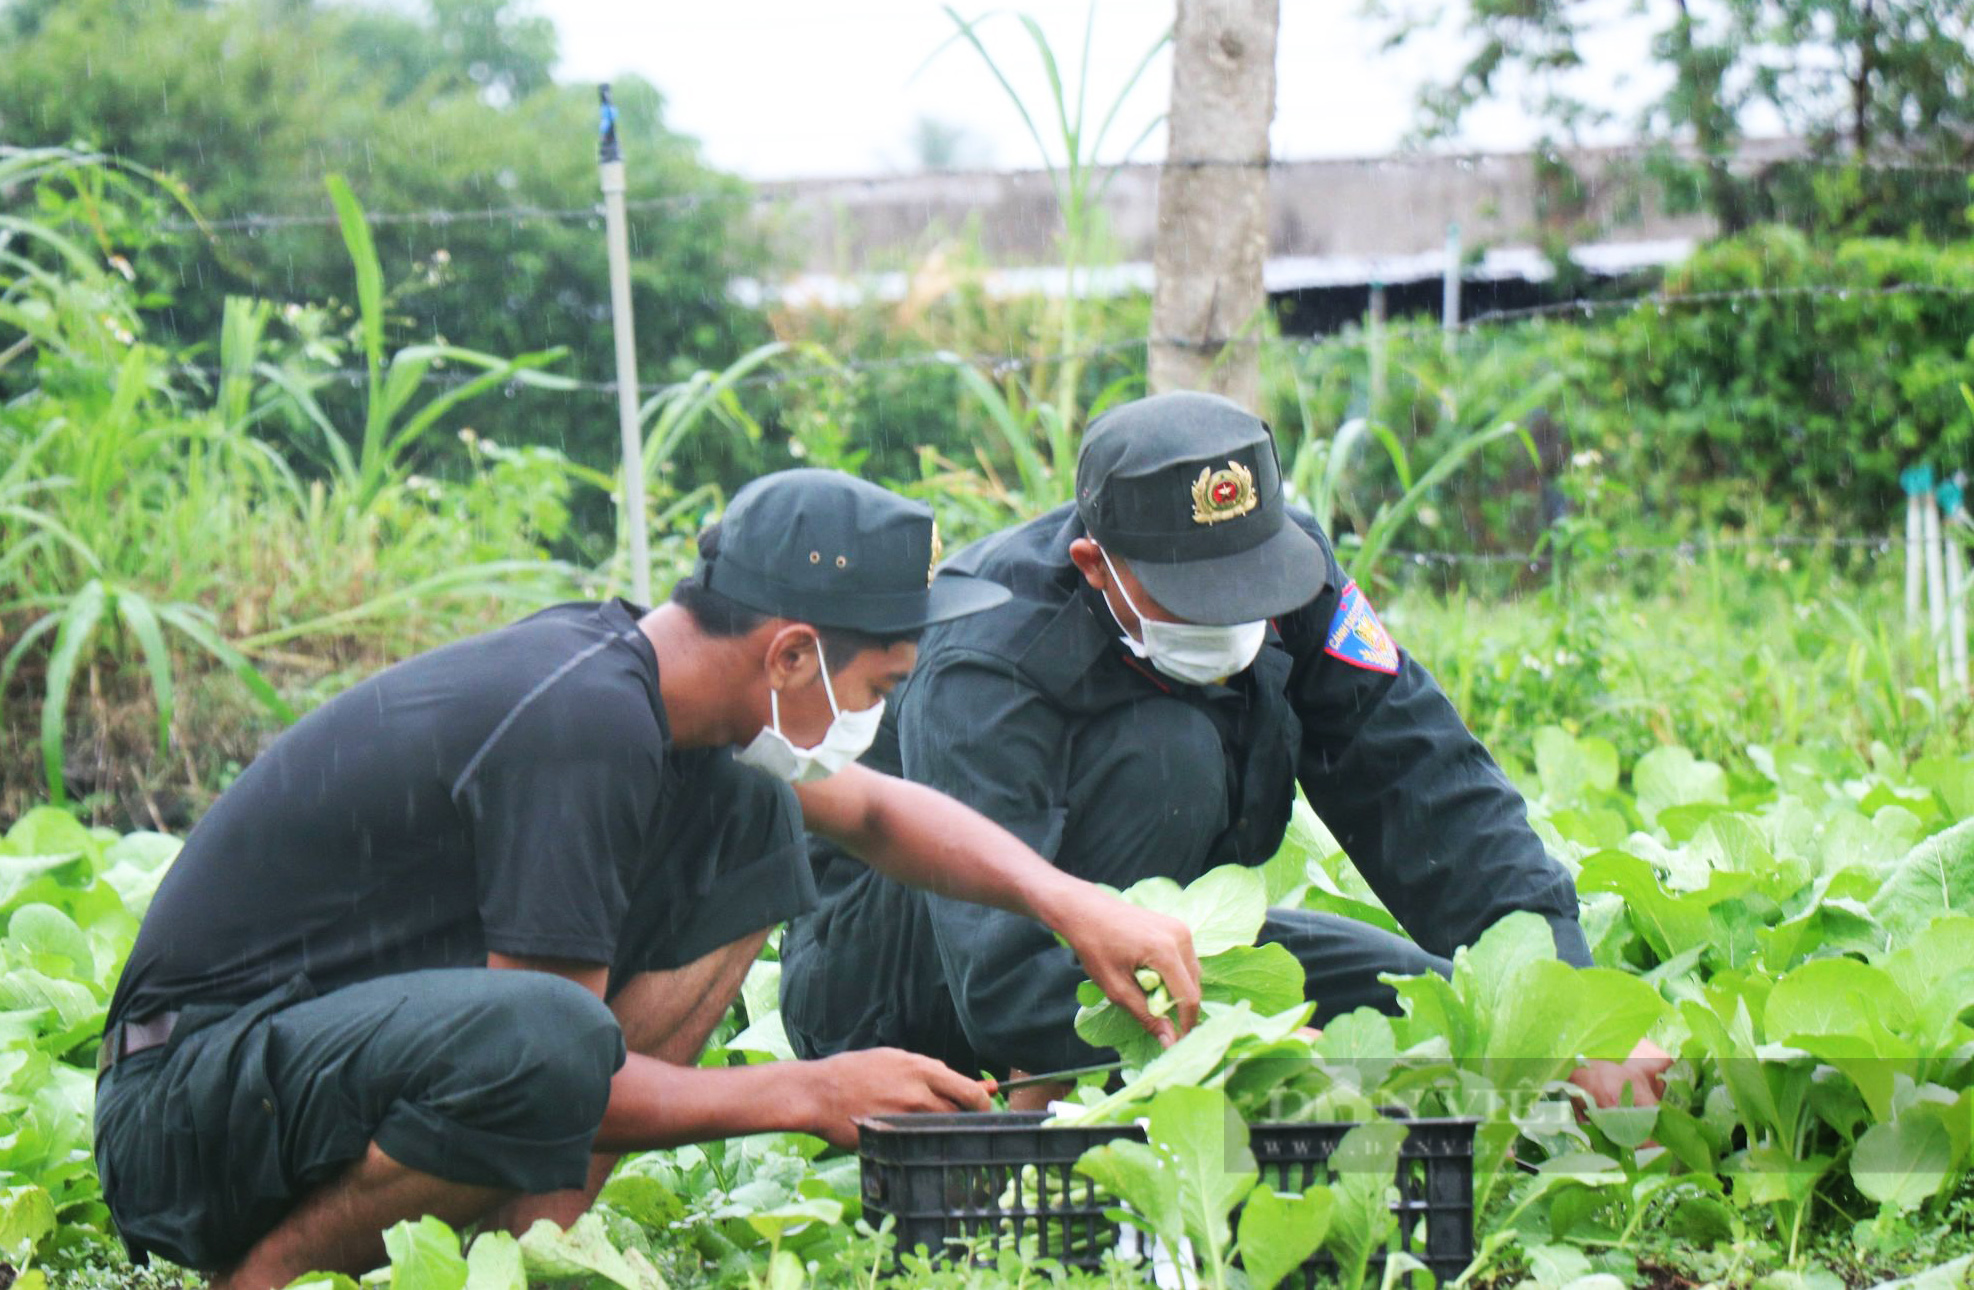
(251, 104)
(1863, 82)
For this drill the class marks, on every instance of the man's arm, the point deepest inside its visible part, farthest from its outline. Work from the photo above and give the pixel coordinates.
(655, 1104)
(924, 838)
(1423, 811)
(1420, 807)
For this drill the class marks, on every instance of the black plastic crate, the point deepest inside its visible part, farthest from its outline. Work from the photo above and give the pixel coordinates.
(1005, 1176)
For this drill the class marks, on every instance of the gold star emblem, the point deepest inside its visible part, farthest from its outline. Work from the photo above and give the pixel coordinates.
(1223, 494)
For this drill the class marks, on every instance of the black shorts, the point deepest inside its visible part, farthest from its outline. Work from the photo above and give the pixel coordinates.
(492, 1078)
(473, 1075)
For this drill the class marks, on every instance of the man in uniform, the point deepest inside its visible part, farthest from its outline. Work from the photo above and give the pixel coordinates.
(397, 966)
(1179, 652)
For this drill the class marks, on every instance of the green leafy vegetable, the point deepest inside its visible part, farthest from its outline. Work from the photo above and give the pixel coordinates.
(424, 1256)
(1278, 1232)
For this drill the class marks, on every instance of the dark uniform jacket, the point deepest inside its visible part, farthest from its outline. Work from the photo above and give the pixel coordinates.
(1037, 716)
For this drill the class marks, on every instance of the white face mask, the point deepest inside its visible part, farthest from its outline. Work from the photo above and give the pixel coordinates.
(1189, 652)
(848, 737)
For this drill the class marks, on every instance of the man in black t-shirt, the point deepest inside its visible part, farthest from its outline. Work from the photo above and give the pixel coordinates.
(321, 1030)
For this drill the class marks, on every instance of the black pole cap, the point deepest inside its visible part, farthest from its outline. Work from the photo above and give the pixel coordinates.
(606, 126)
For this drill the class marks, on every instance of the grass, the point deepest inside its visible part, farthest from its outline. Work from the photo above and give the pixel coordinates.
(1743, 648)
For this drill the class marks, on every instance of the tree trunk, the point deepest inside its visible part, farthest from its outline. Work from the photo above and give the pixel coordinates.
(1867, 64)
(1213, 201)
(1700, 74)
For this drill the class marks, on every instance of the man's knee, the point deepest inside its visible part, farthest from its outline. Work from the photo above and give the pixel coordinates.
(1344, 959)
(544, 1046)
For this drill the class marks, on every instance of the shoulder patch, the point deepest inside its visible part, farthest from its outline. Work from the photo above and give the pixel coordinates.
(1357, 637)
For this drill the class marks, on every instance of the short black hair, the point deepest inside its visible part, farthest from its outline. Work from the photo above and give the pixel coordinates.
(716, 615)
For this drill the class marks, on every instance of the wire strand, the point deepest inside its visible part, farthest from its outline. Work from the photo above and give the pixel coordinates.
(1665, 300)
(1688, 549)
(1003, 364)
(782, 191)
(256, 223)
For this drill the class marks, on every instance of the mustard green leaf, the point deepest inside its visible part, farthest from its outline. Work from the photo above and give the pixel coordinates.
(424, 1256)
(1278, 1232)
(1904, 1162)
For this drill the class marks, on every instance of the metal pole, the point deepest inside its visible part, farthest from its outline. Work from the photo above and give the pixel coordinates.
(1377, 411)
(1450, 293)
(1915, 480)
(1955, 519)
(610, 164)
(1936, 588)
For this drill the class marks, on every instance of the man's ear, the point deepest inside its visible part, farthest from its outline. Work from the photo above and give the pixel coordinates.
(1089, 559)
(793, 656)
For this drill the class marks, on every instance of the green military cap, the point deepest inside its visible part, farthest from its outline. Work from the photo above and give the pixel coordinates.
(825, 548)
(1186, 487)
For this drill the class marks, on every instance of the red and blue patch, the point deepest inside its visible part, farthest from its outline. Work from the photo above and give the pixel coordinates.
(1358, 638)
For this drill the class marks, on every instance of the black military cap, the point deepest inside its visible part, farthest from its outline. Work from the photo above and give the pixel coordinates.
(825, 548)
(1187, 488)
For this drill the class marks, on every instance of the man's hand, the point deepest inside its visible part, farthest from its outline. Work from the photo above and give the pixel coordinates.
(1113, 938)
(1641, 1072)
(883, 1081)
(922, 837)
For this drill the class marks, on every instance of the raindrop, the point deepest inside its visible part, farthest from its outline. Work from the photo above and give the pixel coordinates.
(511, 389)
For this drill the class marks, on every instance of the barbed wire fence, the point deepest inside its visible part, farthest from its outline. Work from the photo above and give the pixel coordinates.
(782, 194)
(1687, 549)
(1003, 364)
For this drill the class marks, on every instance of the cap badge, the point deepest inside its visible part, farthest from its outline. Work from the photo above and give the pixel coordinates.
(1223, 494)
(938, 549)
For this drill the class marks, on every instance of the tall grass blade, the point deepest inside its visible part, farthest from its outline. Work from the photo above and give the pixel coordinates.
(1057, 96)
(334, 453)
(370, 310)
(202, 633)
(427, 416)
(1342, 444)
(56, 531)
(42, 626)
(240, 329)
(143, 623)
(79, 621)
(673, 412)
(1117, 104)
(969, 32)
(1391, 519)
(1011, 429)
(369, 271)
(493, 578)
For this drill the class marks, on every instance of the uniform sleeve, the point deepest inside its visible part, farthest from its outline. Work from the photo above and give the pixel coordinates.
(558, 802)
(974, 730)
(1422, 810)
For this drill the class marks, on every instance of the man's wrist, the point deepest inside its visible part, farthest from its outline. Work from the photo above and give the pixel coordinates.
(1054, 897)
(798, 1092)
